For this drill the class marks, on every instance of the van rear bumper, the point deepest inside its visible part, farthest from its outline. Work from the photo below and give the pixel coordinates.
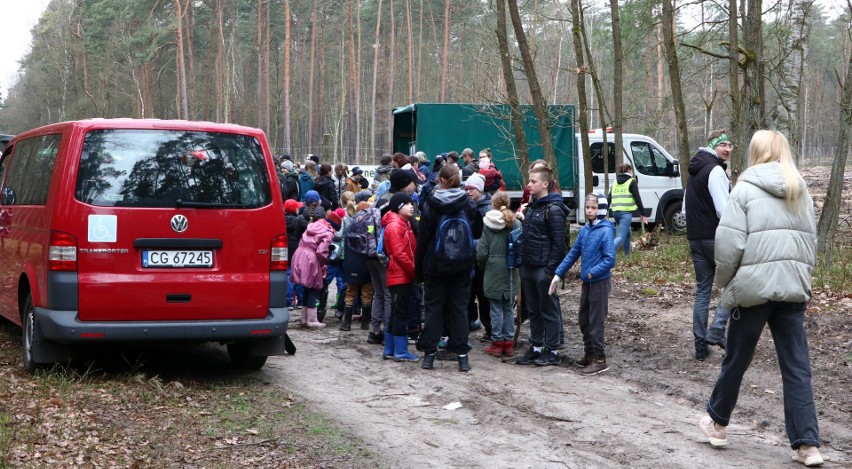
(65, 327)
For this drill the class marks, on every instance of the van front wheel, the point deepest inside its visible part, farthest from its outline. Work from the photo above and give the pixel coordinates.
(674, 218)
(31, 336)
(241, 357)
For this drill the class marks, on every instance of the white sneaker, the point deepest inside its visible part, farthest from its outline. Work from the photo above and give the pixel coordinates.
(716, 434)
(808, 455)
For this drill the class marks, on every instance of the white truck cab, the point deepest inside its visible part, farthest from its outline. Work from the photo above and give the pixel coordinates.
(655, 170)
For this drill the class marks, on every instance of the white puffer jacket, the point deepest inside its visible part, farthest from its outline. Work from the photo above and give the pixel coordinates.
(765, 252)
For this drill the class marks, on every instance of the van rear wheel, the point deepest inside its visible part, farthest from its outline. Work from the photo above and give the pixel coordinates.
(31, 336)
(241, 357)
(674, 218)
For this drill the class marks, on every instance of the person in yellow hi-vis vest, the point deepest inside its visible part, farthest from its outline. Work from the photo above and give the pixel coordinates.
(624, 201)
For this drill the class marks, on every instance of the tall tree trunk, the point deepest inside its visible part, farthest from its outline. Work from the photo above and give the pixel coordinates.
(737, 159)
(220, 64)
(790, 103)
(617, 82)
(677, 91)
(583, 110)
(320, 118)
(445, 56)
(190, 54)
(753, 89)
(827, 226)
(311, 67)
(523, 155)
(410, 42)
(539, 102)
(182, 100)
(391, 76)
(376, 52)
(288, 22)
(352, 82)
(357, 95)
(603, 113)
(267, 46)
(258, 84)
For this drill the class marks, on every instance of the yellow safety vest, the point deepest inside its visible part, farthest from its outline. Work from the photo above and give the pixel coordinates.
(622, 199)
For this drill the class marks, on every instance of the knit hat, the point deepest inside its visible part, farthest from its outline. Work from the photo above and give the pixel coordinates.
(494, 220)
(603, 206)
(401, 178)
(398, 201)
(476, 181)
(357, 170)
(362, 196)
(341, 213)
(285, 156)
(334, 219)
(287, 164)
(291, 206)
(311, 197)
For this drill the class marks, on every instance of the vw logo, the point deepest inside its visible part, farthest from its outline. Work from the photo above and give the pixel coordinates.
(179, 223)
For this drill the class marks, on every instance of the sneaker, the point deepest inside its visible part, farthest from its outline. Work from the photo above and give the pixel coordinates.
(446, 356)
(442, 343)
(528, 358)
(486, 338)
(808, 455)
(548, 359)
(721, 343)
(598, 365)
(716, 434)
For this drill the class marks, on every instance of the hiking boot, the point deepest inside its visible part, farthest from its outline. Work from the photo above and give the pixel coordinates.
(808, 455)
(486, 337)
(495, 349)
(445, 355)
(428, 361)
(375, 338)
(703, 353)
(464, 363)
(715, 433)
(528, 358)
(585, 361)
(548, 359)
(598, 365)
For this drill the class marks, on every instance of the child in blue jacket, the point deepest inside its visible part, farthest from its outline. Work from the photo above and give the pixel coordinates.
(594, 245)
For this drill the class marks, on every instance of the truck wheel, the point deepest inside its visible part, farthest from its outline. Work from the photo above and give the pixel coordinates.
(674, 218)
(31, 336)
(241, 357)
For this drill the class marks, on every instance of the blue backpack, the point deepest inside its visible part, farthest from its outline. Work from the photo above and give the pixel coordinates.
(380, 249)
(513, 248)
(455, 249)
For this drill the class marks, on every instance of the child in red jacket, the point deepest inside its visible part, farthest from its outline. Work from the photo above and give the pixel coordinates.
(400, 246)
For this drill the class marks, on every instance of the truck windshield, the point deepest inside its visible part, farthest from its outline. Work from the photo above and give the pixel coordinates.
(164, 168)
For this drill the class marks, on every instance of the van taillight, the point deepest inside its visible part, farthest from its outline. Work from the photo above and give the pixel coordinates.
(278, 253)
(62, 252)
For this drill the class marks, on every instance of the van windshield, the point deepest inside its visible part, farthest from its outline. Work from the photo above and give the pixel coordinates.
(165, 168)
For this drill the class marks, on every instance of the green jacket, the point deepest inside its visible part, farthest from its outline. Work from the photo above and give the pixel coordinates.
(491, 255)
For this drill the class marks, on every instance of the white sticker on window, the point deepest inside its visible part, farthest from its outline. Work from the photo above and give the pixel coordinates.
(102, 228)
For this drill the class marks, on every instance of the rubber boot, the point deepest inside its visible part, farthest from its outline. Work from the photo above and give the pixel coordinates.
(495, 349)
(464, 363)
(313, 321)
(320, 314)
(366, 316)
(304, 317)
(346, 325)
(400, 350)
(508, 348)
(388, 353)
(428, 361)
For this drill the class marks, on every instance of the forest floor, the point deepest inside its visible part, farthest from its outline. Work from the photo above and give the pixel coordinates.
(336, 403)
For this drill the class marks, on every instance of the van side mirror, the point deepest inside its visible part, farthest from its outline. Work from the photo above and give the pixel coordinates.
(672, 169)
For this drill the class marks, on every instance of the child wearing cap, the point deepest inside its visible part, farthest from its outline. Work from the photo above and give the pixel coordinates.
(400, 246)
(596, 249)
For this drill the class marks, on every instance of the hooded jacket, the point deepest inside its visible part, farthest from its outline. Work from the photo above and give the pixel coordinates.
(383, 173)
(765, 252)
(324, 185)
(441, 202)
(491, 252)
(296, 226)
(312, 255)
(400, 246)
(594, 244)
(543, 242)
(306, 183)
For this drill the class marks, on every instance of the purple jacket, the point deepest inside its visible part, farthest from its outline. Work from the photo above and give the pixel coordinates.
(312, 255)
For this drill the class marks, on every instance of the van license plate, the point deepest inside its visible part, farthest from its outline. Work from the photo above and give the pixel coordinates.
(176, 259)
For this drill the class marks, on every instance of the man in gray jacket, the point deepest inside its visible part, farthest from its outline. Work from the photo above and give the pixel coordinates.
(704, 201)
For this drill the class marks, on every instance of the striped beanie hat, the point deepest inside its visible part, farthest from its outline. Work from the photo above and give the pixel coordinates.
(603, 206)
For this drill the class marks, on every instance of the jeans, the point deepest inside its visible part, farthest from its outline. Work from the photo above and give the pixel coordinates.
(502, 319)
(543, 308)
(294, 290)
(791, 345)
(702, 251)
(622, 233)
(446, 298)
(381, 309)
(594, 303)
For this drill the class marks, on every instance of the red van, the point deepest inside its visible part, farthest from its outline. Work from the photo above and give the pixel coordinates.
(125, 230)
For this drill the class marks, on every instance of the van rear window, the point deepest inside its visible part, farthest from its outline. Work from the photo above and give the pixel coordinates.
(166, 168)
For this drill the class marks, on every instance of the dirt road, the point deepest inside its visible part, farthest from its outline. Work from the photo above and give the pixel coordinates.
(642, 413)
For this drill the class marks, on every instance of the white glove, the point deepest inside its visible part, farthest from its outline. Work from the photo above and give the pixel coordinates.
(553, 284)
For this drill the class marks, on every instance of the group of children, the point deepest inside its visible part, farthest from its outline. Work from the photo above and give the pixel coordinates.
(413, 248)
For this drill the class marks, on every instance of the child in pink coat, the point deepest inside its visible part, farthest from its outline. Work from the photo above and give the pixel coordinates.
(308, 267)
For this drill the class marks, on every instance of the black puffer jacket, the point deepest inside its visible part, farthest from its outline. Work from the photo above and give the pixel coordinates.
(543, 242)
(324, 185)
(442, 201)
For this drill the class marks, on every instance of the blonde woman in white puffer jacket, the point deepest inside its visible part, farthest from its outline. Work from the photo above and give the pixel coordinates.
(765, 254)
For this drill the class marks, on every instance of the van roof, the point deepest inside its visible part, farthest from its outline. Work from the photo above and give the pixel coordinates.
(144, 124)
